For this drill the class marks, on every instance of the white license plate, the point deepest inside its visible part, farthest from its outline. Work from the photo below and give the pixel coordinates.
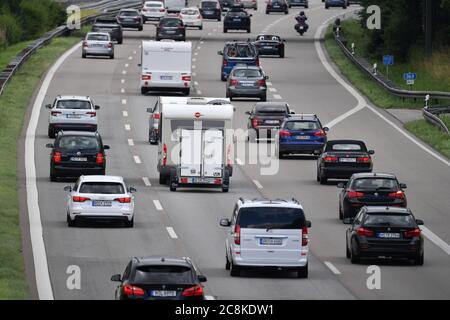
(267, 47)
(101, 203)
(272, 122)
(209, 12)
(270, 242)
(246, 84)
(237, 20)
(387, 235)
(163, 293)
(302, 137)
(78, 159)
(170, 31)
(166, 77)
(347, 160)
(73, 116)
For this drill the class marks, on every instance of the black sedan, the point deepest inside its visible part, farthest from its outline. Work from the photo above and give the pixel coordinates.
(370, 189)
(171, 28)
(298, 3)
(270, 45)
(342, 158)
(277, 6)
(237, 19)
(75, 153)
(159, 278)
(211, 9)
(386, 232)
(130, 18)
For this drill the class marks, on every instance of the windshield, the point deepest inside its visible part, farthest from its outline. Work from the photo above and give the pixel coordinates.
(392, 220)
(346, 147)
(102, 188)
(271, 218)
(163, 274)
(154, 5)
(129, 14)
(375, 184)
(98, 37)
(171, 23)
(301, 125)
(77, 142)
(73, 104)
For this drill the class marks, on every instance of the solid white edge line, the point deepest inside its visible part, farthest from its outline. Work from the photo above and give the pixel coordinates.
(257, 184)
(137, 159)
(210, 298)
(171, 232)
(332, 267)
(158, 205)
(435, 239)
(43, 282)
(146, 181)
(277, 96)
(239, 161)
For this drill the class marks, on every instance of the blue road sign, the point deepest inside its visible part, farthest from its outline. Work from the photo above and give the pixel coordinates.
(388, 60)
(410, 76)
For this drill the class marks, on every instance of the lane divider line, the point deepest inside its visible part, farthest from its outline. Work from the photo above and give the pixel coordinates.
(146, 181)
(137, 159)
(277, 96)
(435, 239)
(122, 81)
(272, 90)
(158, 205)
(127, 127)
(257, 184)
(332, 267)
(124, 101)
(125, 113)
(171, 232)
(239, 162)
(130, 142)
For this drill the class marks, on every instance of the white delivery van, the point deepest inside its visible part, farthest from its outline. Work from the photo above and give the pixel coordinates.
(196, 143)
(166, 65)
(175, 5)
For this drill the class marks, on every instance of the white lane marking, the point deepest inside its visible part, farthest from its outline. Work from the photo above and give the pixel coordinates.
(239, 162)
(124, 101)
(257, 184)
(171, 232)
(193, 67)
(127, 127)
(199, 92)
(134, 52)
(43, 283)
(344, 116)
(127, 65)
(122, 81)
(124, 72)
(332, 267)
(122, 90)
(214, 30)
(272, 90)
(146, 181)
(210, 298)
(201, 42)
(194, 74)
(125, 113)
(196, 54)
(137, 159)
(158, 205)
(193, 59)
(209, 33)
(269, 83)
(435, 239)
(196, 83)
(130, 142)
(130, 58)
(277, 96)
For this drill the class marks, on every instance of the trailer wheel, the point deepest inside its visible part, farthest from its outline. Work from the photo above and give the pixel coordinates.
(173, 181)
(226, 180)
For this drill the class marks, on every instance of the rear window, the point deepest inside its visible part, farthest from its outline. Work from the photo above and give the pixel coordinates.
(271, 218)
(247, 73)
(391, 220)
(102, 188)
(154, 5)
(236, 14)
(77, 142)
(209, 4)
(98, 37)
(271, 111)
(163, 274)
(73, 104)
(129, 13)
(375, 184)
(171, 23)
(190, 11)
(239, 51)
(346, 147)
(301, 125)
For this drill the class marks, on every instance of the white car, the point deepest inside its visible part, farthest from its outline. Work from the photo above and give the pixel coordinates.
(192, 17)
(153, 11)
(267, 233)
(100, 198)
(74, 113)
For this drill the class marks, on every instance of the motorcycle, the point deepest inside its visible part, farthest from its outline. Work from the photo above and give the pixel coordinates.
(301, 26)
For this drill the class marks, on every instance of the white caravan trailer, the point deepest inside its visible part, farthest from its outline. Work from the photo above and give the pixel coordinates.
(166, 65)
(196, 144)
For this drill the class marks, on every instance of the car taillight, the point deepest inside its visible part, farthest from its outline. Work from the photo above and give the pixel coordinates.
(57, 157)
(255, 122)
(110, 45)
(397, 195)
(130, 290)
(233, 82)
(355, 194)
(412, 233)
(363, 159)
(364, 232)
(156, 116)
(284, 133)
(145, 10)
(100, 158)
(199, 16)
(194, 291)
(92, 114)
(55, 113)
(330, 159)
(304, 236)
(85, 44)
(123, 200)
(146, 77)
(80, 199)
(225, 63)
(319, 133)
(257, 62)
(261, 83)
(164, 154)
(186, 78)
(162, 10)
(237, 234)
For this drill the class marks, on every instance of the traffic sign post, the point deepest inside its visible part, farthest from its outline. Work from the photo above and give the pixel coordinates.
(410, 78)
(388, 60)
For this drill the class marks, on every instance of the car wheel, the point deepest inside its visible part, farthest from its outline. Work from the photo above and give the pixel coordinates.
(70, 222)
(348, 254)
(344, 7)
(83, 56)
(162, 179)
(111, 56)
(248, 30)
(51, 133)
(173, 179)
(290, 6)
(326, 7)
(419, 260)
(144, 90)
(53, 177)
(235, 271)
(341, 215)
(282, 54)
(222, 77)
(186, 92)
(267, 12)
(303, 272)
(263, 98)
(200, 28)
(354, 258)
(280, 155)
(227, 263)
(226, 181)
(141, 28)
(130, 224)
(323, 179)
(225, 30)
(286, 12)
(120, 41)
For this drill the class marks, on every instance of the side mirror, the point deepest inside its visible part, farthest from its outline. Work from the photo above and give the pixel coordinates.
(371, 152)
(326, 129)
(348, 220)
(341, 185)
(49, 145)
(220, 53)
(116, 278)
(132, 190)
(97, 107)
(48, 106)
(308, 224)
(292, 112)
(106, 147)
(202, 278)
(225, 222)
(419, 222)
(250, 15)
(68, 188)
(284, 40)
(403, 185)
(248, 112)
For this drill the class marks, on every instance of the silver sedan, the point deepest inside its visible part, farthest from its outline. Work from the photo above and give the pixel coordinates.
(98, 44)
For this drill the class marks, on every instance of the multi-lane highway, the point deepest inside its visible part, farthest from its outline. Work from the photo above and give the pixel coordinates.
(185, 223)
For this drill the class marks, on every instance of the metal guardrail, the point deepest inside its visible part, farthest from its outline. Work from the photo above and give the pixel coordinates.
(431, 114)
(110, 7)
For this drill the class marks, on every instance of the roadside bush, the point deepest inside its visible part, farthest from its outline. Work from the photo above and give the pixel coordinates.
(10, 30)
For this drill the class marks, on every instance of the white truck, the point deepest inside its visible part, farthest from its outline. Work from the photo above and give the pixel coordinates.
(166, 66)
(196, 143)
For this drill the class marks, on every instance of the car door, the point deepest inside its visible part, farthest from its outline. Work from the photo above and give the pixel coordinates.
(125, 277)
(230, 237)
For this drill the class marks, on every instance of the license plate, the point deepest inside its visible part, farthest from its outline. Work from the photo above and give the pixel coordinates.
(170, 31)
(163, 293)
(267, 47)
(270, 242)
(101, 203)
(272, 122)
(275, 6)
(302, 137)
(209, 12)
(386, 235)
(166, 77)
(347, 160)
(78, 159)
(246, 84)
(74, 116)
(97, 45)
(128, 20)
(237, 20)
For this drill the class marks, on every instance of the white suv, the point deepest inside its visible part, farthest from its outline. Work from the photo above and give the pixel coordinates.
(267, 233)
(72, 113)
(104, 198)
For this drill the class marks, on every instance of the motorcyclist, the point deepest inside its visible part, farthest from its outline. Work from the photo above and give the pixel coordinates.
(301, 20)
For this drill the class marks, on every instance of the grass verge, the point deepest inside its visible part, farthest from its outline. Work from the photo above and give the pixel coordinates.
(13, 104)
(431, 135)
(8, 53)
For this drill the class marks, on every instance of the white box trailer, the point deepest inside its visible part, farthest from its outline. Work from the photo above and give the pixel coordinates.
(196, 144)
(166, 65)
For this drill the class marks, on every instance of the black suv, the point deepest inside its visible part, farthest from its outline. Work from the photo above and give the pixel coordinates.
(130, 18)
(211, 9)
(159, 278)
(111, 26)
(171, 28)
(237, 19)
(76, 153)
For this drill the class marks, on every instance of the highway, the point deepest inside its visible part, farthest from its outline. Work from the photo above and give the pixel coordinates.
(192, 216)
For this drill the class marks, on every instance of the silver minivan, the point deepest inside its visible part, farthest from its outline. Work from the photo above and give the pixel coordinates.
(266, 233)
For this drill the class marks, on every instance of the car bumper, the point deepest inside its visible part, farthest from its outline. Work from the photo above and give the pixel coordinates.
(405, 251)
(193, 24)
(96, 217)
(277, 10)
(214, 15)
(171, 36)
(232, 26)
(73, 126)
(301, 148)
(98, 52)
(66, 171)
(166, 85)
(131, 25)
(266, 263)
(273, 51)
(335, 4)
(251, 92)
(344, 173)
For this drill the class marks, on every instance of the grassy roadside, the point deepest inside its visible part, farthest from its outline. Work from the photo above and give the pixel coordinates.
(8, 53)
(13, 104)
(381, 98)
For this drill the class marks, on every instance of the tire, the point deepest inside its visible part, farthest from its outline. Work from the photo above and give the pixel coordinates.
(354, 259)
(144, 90)
(280, 155)
(248, 30)
(302, 272)
(71, 223)
(267, 12)
(141, 28)
(327, 7)
(317, 176)
(200, 28)
(341, 214)
(51, 133)
(227, 263)
(286, 12)
(348, 254)
(323, 179)
(419, 260)
(226, 181)
(111, 56)
(162, 179)
(186, 92)
(225, 30)
(290, 6)
(157, 39)
(83, 56)
(307, 6)
(235, 271)
(222, 77)
(102, 172)
(344, 7)
(282, 54)
(53, 177)
(263, 98)
(120, 41)
(173, 181)
(130, 224)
